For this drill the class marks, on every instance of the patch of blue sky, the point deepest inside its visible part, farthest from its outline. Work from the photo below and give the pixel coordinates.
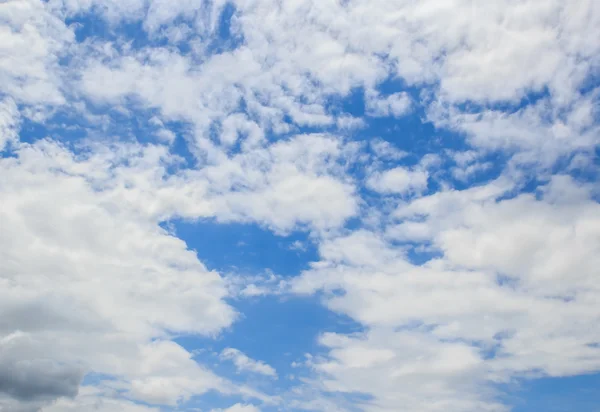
(88, 26)
(106, 122)
(591, 82)
(246, 248)
(93, 378)
(528, 98)
(228, 38)
(567, 394)
(583, 173)
(136, 123)
(60, 127)
(181, 145)
(420, 253)
(276, 330)
(411, 132)
(130, 122)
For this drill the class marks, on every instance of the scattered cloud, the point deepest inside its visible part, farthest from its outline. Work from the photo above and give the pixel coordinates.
(441, 156)
(510, 293)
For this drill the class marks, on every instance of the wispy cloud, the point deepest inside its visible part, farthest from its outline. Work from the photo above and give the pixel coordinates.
(243, 363)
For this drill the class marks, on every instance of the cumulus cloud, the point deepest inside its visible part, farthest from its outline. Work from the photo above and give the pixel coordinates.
(534, 133)
(108, 284)
(463, 52)
(105, 289)
(33, 40)
(511, 292)
(295, 182)
(456, 290)
(31, 380)
(399, 180)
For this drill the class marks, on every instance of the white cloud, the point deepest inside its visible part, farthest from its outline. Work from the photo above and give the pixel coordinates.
(289, 184)
(468, 164)
(92, 283)
(32, 41)
(399, 180)
(495, 52)
(295, 183)
(90, 399)
(396, 104)
(201, 95)
(410, 369)
(515, 277)
(238, 407)
(245, 364)
(298, 246)
(549, 245)
(113, 10)
(461, 51)
(239, 124)
(250, 285)
(384, 150)
(106, 283)
(350, 123)
(534, 132)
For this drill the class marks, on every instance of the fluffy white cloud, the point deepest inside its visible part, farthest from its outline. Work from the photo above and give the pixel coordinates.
(408, 368)
(294, 182)
(32, 41)
(107, 281)
(91, 284)
(462, 51)
(474, 53)
(512, 292)
(535, 133)
(399, 180)
(396, 104)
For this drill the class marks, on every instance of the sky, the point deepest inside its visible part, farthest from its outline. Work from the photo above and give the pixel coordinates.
(299, 205)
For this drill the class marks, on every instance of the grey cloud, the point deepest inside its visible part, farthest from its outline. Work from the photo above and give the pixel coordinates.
(48, 314)
(30, 380)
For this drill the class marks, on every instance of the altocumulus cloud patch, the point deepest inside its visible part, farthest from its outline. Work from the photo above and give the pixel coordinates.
(429, 171)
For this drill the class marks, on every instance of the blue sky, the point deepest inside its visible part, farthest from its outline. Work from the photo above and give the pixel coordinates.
(245, 206)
